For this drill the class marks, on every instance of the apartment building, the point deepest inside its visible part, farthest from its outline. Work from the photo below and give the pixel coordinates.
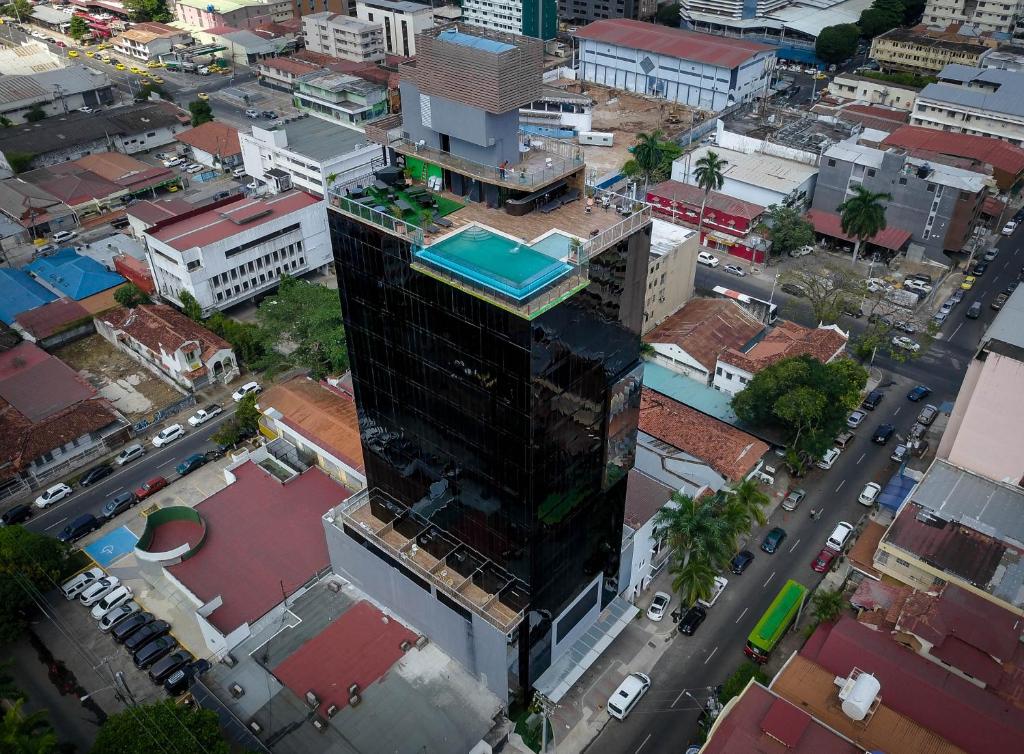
(850, 86)
(585, 11)
(970, 100)
(531, 18)
(402, 21)
(349, 100)
(928, 51)
(237, 14)
(344, 37)
(737, 9)
(232, 250)
(670, 271)
(150, 40)
(984, 15)
(302, 8)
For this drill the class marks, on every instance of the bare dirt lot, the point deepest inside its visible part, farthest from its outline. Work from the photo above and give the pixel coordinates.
(132, 388)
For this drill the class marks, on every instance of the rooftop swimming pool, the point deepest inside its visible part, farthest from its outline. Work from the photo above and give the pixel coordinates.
(499, 262)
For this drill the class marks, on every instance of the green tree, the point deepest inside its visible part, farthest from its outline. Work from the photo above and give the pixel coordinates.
(912, 10)
(148, 89)
(26, 734)
(668, 15)
(738, 681)
(826, 606)
(19, 9)
(863, 215)
(35, 114)
(190, 307)
(130, 295)
(788, 229)
(652, 158)
(836, 44)
(247, 414)
(19, 161)
(5, 122)
(229, 433)
(245, 338)
(148, 10)
(302, 326)
(28, 561)
(828, 288)
(178, 729)
(748, 499)
(201, 112)
(873, 22)
(709, 177)
(78, 27)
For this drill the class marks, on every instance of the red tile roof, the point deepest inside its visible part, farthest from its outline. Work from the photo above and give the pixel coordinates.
(268, 532)
(829, 224)
(229, 218)
(39, 385)
(162, 328)
(785, 340)
(705, 327)
(644, 497)
(729, 451)
(44, 321)
(693, 196)
(125, 171)
(861, 555)
(152, 212)
(676, 43)
(359, 647)
(213, 138)
(290, 65)
(995, 152)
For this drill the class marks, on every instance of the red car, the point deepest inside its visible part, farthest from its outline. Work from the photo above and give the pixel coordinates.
(151, 487)
(824, 560)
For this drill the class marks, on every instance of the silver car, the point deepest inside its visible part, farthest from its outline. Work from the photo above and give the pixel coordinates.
(129, 454)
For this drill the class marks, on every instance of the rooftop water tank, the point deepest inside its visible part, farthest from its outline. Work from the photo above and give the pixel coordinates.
(857, 703)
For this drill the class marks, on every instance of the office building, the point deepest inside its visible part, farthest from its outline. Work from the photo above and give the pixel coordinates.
(342, 98)
(585, 11)
(531, 18)
(344, 37)
(969, 100)
(983, 15)
(493, 319)
(402, 21)
(302, 8)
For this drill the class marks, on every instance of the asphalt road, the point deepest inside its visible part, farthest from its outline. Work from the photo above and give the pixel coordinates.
(665, 720)
(156, 462)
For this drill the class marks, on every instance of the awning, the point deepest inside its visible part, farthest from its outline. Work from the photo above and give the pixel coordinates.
(896, 491)
(829, 224)
(993, 206)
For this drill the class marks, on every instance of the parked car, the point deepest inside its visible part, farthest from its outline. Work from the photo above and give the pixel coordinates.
(940, 317)
(1009, 228)
(112, 617)
(957, 295)
(659, 604)
(249, 387)
(999, 301)
(823, 561)
(151, 487)
(904, 343)
(190, 464)
(927, 415)
(98, 590)
(827, 460)
(990, 255)
(918, 392)
(855, 418)
(250, 113)
(837, 539)
(19, 514)
(95, 474)
(917, 286)
(979, 269)
(204, 415)
(127, 628)
(113, 598)
(53, 494)
(172, 662)
(883, 433)
(801, 252)
(843, 439)
(269, 114)
(947, 306)
(793, 499)
(154, 650)
(869, 494)
(625, 697)
(773, 540)
(146, 634)
(82, 525)
(872, 400)
(900, 453)
(169, 435)
(78, 583)
(974, 310)
(707, 259)
(968, 282)
(178, 681)
(717, 588)
(793, 290)
(691, 620)
(118, 504)
(734, 269)
(131, 453)
(64, 236)
(741, 561)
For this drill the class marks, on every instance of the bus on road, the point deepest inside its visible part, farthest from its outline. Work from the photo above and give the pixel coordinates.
(775, 622)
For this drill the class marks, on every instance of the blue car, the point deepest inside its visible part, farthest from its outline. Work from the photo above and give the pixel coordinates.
(918, 393)
(191, 463)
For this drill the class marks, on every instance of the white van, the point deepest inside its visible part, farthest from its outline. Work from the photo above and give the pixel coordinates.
(113, 599)
(622, 702)
(828, 460)
(238, 172)
(837, 539)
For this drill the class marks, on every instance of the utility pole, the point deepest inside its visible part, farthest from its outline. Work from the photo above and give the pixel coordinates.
(546, 708)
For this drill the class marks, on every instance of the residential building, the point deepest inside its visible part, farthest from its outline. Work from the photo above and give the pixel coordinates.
(670, 271)
(728, 223)
(700, 70)
(302, 8)
(55, 92)
(68, 273)
(927, 50)
(402, 21)
(311, 151)
(196, 15)
(149, 40)
(55, 324)
(54, 421)
(1007, 57)
(35, 209)
(644, 553)
(585, 11)
(19, 293)
(933, 204)
(344, 37)
(981, 101)
(341, 98)
(283, 73)
(498, 538)
(1005, 160)
(531, 18)
(237, 248)
(170, 345)
(213, 144)
(850, 86)
(689, 341)
(320, 420)
(245, 46)
(983, 15)
(735, 368)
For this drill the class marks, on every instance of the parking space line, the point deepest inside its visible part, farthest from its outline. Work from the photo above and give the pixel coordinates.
(769, 579)
(643, 744)
(117, 490)
(711, 655)
(794, 545)
(165, 465)
(862, 456)
(742, 614)
(956, 331)
(56, 524)
(678, 698)
(898, 409)
(840, 485)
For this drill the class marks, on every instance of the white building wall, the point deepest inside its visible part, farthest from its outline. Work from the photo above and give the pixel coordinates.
(400, 28)
(146, 140)
(494, 15)
(671, 356)
(956, 118)
(730, 379)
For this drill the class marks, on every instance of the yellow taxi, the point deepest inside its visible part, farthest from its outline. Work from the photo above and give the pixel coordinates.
(968, 282)
(72, 53)
(203, 96)
(135, 69)
(90, 54)
(171, 189)
(121, 67)
(103, 46)
(157, 80)
(154, 64)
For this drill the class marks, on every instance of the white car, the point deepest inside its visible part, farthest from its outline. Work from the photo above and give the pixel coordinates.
(828, 460)
(204, 415)
(802, 251)
(54, 494)
(113, 598)
(77, 584)
(1009, 228)
(250, 113)
(716, 591)
(734, 269)
(86, 110)
(194, 168)
(249, 387)
(98, 590)
(877, 284)
(169, 435)
(707, 259)
(658, 606)
(854, 419)
(837, 539)
(625, 697)
(917, 286)
(906, 344)
(173, 162)
(64, 235)
(869, 494)
(117, 614)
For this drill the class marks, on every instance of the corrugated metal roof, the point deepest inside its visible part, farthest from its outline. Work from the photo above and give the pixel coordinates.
(994, 152)
(1008, 99)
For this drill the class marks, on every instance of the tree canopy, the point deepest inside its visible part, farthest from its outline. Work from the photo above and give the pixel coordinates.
(78, 27)
(652, 158)
(836, 44)
(177, 728)
(19, 9)
(668, 15)
(190, 307)
(805, 399)
(787, 228)
(829, 288)
(27, 561)
(148, 10)
(882, 16)
(862, 215)
(35, 113)
(130, 296)
(22, 733)
(201, 112)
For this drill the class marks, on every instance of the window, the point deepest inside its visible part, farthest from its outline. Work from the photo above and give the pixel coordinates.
(903, 563)
(871, 172)
(903, 181)
(831, 163)
(931, 187)
(718, 371)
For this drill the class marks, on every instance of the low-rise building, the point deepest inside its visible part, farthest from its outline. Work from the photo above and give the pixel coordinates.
(244, 46)
(970, 100)
(68, 273)
(344, 37)
(349, 100)
(149, 40)
(229, 251)
(170, 345)
(983, 15)
(239, 14)
(283, 73)
(644, 553)
(213, 144)
(19, 293)
(35, 209)
(928, 50)
(850, 86)
(402, 21)
(1005, 160)
(670, 271)
(699, 70)
(311, 151)
(55, 92)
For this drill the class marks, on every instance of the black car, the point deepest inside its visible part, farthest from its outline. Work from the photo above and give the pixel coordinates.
(78, 528)
(692, 620)
(129, 626)
(269, 114)
(773, 540)
(190, 464)
(178, 681)
(919, 392)
(146, 634)
(883, 433)
(19, 514)
(979, 268)
(1012, 287)
(873, 399)
(174, 661)
(95, 474)
(740, 561)
(154, 650)
(118, 504)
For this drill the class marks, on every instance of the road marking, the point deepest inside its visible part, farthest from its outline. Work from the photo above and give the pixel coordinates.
(643, 744)
(898, 409)
(840, 485)
(164, 465)
(117, 490)
(57, 524)
(862, 455)
(794, 545)
(678, 698)
(1005, 265)
(742, 614)
(769, 579)
(956, 331)
(711, 655)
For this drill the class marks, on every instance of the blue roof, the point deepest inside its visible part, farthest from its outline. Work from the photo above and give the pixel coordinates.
(75, 276)
(896, 491)
(19, 293)
(468, 40)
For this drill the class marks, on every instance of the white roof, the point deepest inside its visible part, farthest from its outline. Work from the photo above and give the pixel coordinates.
(805, 16)
(759, 169)
(858, 154)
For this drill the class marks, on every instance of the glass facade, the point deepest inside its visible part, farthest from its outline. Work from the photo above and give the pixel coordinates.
(511, 435)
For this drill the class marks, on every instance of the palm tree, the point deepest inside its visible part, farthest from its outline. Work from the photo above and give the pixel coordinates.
(708, 175)
(648, 154)
(863, 215)
(26, 734)
(750, 500)
(826, 606)
(696, 530)
(692, 581)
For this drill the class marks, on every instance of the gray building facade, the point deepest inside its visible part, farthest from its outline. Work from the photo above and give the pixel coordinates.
(585, 11)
